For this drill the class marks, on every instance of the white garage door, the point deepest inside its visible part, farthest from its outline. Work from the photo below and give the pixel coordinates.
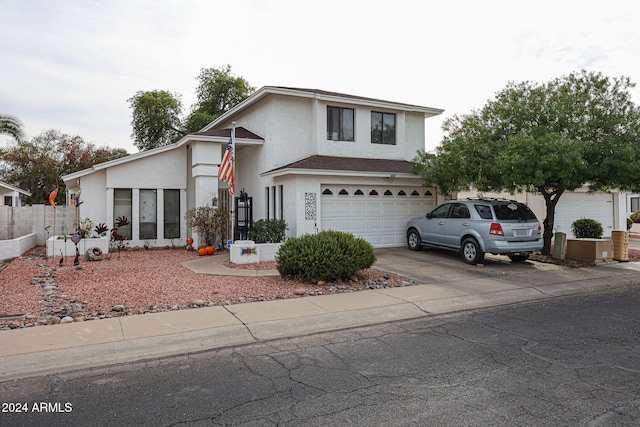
(573, 206)
(377, 214)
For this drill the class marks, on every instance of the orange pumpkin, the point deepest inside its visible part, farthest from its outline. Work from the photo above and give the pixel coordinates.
(202, 251)
(209, 250)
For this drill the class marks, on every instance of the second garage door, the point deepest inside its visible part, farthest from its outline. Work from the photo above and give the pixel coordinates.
(573, 206)
(377, 214)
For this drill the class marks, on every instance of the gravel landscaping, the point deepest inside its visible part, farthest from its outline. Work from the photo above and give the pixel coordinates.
(37, 291)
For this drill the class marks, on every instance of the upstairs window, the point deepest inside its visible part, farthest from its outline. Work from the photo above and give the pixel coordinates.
(383, 128)
(340, 124)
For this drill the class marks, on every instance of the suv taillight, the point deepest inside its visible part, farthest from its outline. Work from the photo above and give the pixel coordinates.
(496, 229)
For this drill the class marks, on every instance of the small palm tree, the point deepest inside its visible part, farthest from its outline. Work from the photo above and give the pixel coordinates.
(11, 125)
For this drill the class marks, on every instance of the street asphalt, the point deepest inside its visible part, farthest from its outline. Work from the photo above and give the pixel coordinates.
(447, 285)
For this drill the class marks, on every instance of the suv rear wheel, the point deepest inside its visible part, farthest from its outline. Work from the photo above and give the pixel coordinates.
(413, 240)
(471, 251)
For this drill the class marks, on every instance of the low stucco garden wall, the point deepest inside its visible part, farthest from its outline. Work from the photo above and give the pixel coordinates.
(249, 252)
(15, 247)
(56, 245)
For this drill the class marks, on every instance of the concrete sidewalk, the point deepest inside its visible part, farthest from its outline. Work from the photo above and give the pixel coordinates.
(216, 266)
(50, 349)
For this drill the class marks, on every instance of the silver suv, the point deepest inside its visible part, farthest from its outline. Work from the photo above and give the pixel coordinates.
(478, 226)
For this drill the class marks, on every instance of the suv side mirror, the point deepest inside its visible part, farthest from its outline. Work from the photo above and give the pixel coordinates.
(429, 215)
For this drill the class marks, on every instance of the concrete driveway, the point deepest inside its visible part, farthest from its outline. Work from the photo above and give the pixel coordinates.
(436, 265)
(447, 270)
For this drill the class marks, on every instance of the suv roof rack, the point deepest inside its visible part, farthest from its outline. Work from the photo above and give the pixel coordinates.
(492, 199)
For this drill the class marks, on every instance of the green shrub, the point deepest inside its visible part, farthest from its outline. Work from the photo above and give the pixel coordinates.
(635, 217)
(328, 255)
(586, 228)
(268, 231)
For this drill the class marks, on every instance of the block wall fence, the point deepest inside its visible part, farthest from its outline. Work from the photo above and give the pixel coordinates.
(39, 220)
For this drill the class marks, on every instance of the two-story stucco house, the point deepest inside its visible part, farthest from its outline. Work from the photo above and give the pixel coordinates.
(319, 160)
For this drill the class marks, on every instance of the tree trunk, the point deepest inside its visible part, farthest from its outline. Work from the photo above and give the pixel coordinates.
(551, 200)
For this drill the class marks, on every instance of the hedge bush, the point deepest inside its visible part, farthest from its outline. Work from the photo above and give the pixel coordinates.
(268, 231)
(635, 217)
(587, 228)
(328, 255)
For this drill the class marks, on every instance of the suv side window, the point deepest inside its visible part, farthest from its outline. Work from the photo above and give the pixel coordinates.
(441, 211)
(484, 211)
(460, 211)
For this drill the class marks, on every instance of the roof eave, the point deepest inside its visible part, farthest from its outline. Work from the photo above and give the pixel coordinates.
(14, 188)
(333, 172)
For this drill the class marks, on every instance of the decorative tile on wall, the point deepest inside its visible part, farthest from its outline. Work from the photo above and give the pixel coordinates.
(310, 206)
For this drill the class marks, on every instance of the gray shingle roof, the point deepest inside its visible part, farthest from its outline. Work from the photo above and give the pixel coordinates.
(350, 164)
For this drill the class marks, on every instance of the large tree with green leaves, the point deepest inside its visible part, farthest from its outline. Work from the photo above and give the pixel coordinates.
(34, 165)
(156, 118)
(157, 115)
(219, 91)
(579, 129)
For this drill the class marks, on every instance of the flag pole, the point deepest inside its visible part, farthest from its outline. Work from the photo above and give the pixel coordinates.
(233, 179)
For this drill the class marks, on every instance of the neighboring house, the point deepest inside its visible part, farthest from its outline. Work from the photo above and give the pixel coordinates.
(608, 208)
(10, 195)
(319, 160)
(633, 203)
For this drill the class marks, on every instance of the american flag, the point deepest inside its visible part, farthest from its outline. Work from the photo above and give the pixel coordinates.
(226, 172)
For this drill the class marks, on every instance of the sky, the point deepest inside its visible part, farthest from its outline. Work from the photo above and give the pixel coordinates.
(72, 65)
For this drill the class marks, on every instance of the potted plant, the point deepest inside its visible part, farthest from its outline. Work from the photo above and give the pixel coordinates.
(265, 238)
(210, 223)
(588, 246)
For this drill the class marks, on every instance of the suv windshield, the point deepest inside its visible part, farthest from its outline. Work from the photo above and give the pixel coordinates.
(513, 212)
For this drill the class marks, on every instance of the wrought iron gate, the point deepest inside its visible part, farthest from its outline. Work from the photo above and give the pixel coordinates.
(244, 216)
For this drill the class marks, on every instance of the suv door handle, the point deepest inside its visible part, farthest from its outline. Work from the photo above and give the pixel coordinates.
(466, 224)
(441, 223)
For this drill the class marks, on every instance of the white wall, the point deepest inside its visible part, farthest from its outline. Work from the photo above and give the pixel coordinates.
(294, 204)
(162, 170)
(41, 220)
(15, 247)
(94, 198)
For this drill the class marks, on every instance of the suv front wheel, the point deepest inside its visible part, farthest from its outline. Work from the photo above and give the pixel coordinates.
(471, 251)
